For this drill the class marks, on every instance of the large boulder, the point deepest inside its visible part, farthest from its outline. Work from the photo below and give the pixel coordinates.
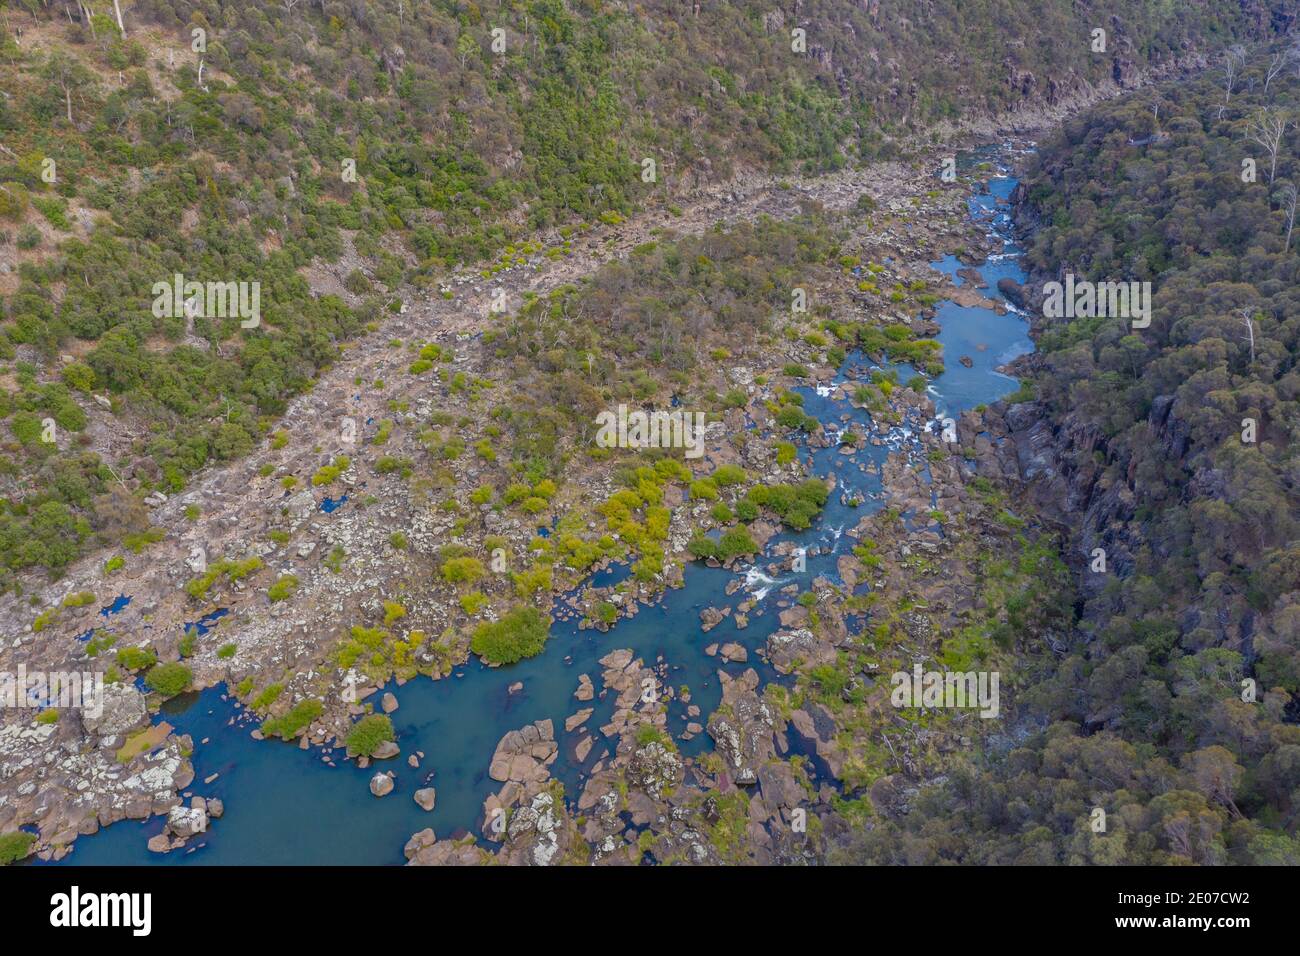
(426, 797)
(419, 841)
(654, 770)
(535, 830)
(789, 649)
(743, 727)
(817, 730)
(123, 711)
(524, 755)
(186, 822)
(381, 785)
(159, 843)
(387, 750)
(585, 689)
(1013, 292)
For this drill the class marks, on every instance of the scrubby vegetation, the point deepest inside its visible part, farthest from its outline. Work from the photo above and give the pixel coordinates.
(1173, 709)
(294, 721)
(15, 846)
(236, 164)
(368, 733)
(520, 633)
(168, 679)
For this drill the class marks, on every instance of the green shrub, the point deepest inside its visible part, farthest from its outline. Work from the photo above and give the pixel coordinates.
(15, 846)
(727, 475)
(735, 542)
(81, 599)
(520, 633)
(702, 547)
(168, 679)
(295, 721)
(368, 733)
(464, 570)
(393, 612)
(328, 474)
(136, 658)
(705, 489)
(283, 588)
(267, 697)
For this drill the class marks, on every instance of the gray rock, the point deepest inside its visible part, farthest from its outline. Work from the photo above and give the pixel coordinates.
(186, 822)
(123, 711)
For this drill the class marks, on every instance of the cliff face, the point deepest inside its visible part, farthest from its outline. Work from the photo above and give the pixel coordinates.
(1096, 502)
(1087, 484)
(1161, 489)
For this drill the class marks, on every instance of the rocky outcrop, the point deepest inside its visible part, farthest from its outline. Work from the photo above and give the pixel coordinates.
(789, 649)
(734, 653)
(535, 831)
(123, 711)
(1013, 292)
(524, 755)
(424, 849)
(654, 769)
(574, 721)
(185, 822)
(816, 726)
(386, 750)
(421, 840)
(742, 727)
(585, 689)
(711, 617)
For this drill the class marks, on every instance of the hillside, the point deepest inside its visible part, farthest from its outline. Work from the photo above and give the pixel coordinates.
(218, 141)
(1170, 451)
(309, 313)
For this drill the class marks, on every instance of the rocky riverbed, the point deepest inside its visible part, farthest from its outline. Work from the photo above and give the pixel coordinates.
(69, 778)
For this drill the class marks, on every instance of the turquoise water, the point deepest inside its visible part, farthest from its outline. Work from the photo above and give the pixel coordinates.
(286, 805)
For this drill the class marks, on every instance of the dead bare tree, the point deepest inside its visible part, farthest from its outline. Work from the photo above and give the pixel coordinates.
(89, 15)
(1267, 128)
(1276, 64)
(1247, 316)
(1234, 61)
(1289, 195)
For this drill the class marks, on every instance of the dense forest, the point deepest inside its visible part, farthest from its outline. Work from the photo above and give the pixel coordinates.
(248, 141)
(1174, 712)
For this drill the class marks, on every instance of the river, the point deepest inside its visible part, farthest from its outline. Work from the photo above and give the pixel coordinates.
(284, 805)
